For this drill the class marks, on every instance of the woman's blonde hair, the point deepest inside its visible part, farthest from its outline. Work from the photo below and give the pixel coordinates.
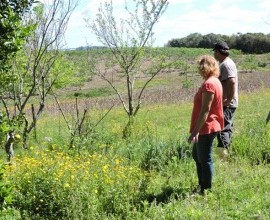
(208, 66)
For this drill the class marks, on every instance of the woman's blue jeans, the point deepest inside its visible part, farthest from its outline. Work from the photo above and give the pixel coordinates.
(202, 154)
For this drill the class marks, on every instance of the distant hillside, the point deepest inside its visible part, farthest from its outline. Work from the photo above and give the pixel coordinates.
(86, 48)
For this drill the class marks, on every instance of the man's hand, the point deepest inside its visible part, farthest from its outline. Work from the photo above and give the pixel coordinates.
(226, 102)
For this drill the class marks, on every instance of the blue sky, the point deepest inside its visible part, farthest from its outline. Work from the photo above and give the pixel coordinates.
(182, 18)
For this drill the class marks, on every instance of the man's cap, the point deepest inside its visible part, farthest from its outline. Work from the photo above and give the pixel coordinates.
(221, 46)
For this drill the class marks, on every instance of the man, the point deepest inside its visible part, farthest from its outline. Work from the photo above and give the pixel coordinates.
(229, 81)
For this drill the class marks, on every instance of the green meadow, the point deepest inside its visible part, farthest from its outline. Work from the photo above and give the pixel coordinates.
(151, 174)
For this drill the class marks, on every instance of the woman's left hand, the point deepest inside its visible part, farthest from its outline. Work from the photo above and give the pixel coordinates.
(193, 138)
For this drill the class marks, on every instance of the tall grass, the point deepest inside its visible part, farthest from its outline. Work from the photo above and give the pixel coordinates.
(252, 136)
(148, 176)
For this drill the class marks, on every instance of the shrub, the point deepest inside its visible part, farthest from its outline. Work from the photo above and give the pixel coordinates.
(56, 185)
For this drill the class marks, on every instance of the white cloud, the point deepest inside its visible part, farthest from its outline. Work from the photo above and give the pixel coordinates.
(263, 4)
(46, 1)
(92, 6)
(184, 17)
(219, 17)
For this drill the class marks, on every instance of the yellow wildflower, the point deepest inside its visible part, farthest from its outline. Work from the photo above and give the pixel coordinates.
(66, 185)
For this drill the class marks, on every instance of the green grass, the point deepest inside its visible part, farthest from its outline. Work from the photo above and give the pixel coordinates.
(150, 175)
(251, 132)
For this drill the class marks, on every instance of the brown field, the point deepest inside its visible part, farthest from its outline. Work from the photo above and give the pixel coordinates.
(167, 87)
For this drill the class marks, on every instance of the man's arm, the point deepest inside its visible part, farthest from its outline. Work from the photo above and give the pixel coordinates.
(229, 90)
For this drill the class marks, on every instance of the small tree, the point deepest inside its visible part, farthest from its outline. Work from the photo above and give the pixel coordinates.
(128, 40)
(32, 73)
(12, 35)
(78, 126)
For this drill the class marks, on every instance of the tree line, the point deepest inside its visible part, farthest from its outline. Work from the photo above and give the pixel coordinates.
(251, 43)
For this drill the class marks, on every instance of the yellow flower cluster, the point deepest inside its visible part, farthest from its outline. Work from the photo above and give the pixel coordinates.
(65, 171)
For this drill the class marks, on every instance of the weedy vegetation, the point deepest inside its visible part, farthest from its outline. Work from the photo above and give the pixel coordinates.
(150, 174)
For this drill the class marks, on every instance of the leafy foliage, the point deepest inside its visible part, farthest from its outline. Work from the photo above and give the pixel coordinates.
(250, 43)
(55, 185)
(32, 73)
(12, 35)
(6, 196)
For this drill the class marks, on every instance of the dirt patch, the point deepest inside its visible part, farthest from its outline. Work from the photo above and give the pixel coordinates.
(172, 92)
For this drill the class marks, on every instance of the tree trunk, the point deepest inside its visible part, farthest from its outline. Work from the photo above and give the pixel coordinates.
(127, 131)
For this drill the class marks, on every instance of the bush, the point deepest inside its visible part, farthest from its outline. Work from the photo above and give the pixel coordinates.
(55, 185)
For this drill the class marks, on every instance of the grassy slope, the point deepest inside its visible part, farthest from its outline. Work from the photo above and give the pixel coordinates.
(240, 185)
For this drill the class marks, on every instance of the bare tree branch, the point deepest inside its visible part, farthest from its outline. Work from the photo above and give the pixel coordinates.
(116, 91)
(33, 68)
(126, 39)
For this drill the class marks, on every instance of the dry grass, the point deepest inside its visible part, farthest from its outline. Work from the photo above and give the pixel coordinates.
(165, 88)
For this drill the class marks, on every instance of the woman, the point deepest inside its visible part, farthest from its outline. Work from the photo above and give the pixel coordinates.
(206, 120)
